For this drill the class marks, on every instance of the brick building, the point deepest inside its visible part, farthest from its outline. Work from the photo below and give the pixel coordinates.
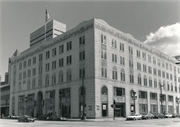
(110, 64)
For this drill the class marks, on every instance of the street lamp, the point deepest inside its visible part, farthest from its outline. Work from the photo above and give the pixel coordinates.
(178, 101)
(26, 99)
(133, 93)
(161, 98)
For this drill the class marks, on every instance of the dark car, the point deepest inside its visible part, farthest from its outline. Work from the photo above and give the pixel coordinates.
(44, 117)
(26, 118)
(158, 115)
(147, 116)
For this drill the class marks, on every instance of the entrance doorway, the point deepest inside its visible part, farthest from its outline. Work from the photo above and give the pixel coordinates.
(104, 110)
(120, 110)
(39, 104)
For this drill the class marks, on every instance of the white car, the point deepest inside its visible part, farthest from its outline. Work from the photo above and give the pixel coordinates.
(168, 115)
(134, 117)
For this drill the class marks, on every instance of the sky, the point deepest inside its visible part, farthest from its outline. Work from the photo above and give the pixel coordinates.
(156, 23)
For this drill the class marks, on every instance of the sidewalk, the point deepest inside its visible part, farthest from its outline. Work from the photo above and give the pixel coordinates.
(98, 119)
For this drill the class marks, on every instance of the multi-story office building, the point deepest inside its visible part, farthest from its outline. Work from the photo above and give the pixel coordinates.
(109, 64)
(4, 95)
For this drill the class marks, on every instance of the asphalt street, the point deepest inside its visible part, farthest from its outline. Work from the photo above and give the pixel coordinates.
(171, 122)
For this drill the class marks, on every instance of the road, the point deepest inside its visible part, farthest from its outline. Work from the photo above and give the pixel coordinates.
(171, 122)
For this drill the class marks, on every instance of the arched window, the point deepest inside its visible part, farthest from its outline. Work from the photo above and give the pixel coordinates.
(33, 83)
(122, 75)
(53, 79)
(28, 85)
(68, 75)
(47, 80)
(150, 82)
(145, 80)
(104, 90)
(114, 73)
(60, 76)
(155, 83)
(139, 79)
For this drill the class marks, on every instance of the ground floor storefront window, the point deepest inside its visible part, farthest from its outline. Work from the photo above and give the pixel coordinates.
(154, 108)
(143, 108)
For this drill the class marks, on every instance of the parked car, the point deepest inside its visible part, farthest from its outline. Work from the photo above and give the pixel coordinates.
(134, 117)
(26, 118)
(13, 117)
(158, 115)
(168, 115)
(43, 117)
(62, 118)
(147, 116)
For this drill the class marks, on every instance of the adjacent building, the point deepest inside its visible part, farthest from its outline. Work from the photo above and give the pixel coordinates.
(91, 67)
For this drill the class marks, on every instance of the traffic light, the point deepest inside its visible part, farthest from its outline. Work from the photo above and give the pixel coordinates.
(114, 102)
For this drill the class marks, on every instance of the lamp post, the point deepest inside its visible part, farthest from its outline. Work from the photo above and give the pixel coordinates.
(26, 99)
(133, 93)
(178, 101)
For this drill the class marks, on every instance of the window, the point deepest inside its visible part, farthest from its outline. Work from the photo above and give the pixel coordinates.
(68, 75)
(149, 69)
(130, 50)
(171, 87)
(139, 79)
(69, 46)
(20, 76)
(154, 60)
(175, 88)
(24, 64)
(40, 57)
(103, 39)
(163, 74)
(29, 73)
(153, 96)
(138, 66)
(149, 58)
(47, 80)
(114, 58)
(47, 54)
(144, 56)
(61, 49)
(114, 43)
(40, 69)
(131, 63)
(103, 54)
(150, 82)
(29, 62)
(53, 79)
(122, 75)
(155, 83)
(170, 98)
(34, 60)
(143, 108)
(47, 67)
(168, 88)
(171, 76)
(144, 67)
(69, 60)
(82, 73)
(138, 54)
(20, 66)
(122, 47)
(53, 65)
(61, 62)
(82, 40)
(114, 73)
(34, 71)
(104, 72)
(145, 81)
(33, 83)
(167, 75)
(159, 73)
(154, 71)
(28, 85)
(119, 91)
(60, 76)
(54, 52)
(122, 61)
(159, 64)
(82, 55)
(104, 90)
(170, 67)
(143, 94)
(131, 77)
(24, 74)
(163, 64)
(167, 66)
